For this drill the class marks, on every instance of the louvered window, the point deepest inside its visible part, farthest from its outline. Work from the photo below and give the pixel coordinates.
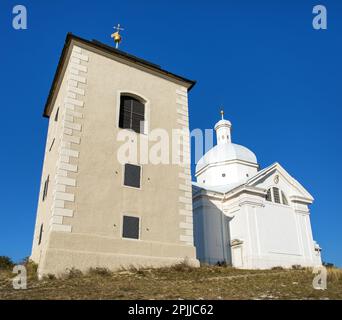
(276, 195)
(132, 114)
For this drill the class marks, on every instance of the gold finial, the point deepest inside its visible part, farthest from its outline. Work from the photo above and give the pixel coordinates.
(222, 113)
(116, 35)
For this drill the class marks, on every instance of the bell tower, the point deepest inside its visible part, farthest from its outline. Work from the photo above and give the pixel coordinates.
(95, 209)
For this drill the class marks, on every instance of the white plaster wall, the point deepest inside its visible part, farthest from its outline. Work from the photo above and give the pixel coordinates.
(234, 172)
(210, 236)
(277, 229)
(272, 234)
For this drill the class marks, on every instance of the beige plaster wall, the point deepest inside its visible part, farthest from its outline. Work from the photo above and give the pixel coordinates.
(91, 234)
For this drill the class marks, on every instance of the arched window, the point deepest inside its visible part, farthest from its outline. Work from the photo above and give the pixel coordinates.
(132, 114)
(275, 195)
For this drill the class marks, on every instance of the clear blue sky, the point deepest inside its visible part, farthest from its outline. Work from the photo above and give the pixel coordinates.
(278, 78)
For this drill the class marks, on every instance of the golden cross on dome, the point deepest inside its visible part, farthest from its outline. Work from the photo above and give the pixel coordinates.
(116, 35)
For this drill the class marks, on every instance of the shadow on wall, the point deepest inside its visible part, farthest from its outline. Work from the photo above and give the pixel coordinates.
(212, 236)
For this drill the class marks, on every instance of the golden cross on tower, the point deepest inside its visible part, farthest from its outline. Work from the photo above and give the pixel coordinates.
(116, 35)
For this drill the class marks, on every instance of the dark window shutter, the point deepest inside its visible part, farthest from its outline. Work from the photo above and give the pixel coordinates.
(125, 113)
(44, 190)
(138, 116)
(132, 175)
(56, 116)
(268, 195)
(46, 185)
(131, 113)
(130, 228)
(40, 234)
(53, 141)
(276, 195)
(138, 107)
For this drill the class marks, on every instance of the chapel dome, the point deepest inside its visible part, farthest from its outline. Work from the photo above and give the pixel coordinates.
(225, 152)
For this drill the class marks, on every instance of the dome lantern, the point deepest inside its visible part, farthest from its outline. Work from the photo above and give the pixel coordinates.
(223, 130)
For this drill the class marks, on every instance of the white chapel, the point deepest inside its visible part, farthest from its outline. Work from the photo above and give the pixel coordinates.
(246, 217)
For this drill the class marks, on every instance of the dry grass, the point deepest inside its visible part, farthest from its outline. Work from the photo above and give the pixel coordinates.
(177, 282)
(334, 274)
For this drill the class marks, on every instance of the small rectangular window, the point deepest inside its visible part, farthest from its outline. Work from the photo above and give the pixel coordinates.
(53, 141)
(56, 115)
(132, 175)
(130, 227)
(46, 186)
(40, 234)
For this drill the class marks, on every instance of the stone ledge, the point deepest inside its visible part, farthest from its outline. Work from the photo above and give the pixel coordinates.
(75, 102)
(184, 212)
(184, 225)
(77, 78)
(186, 238)
(72, 125)
(63, 212)
(76, 90)
(60, 227)
(80, 56)
(72, 139)
(75, 60)
(56, 220)
(64, 196)
(183, 103)
(185, 200)
(184, 187)
(66, 181)
(67, 167)
(76, 49)
(69, 152)
(181, 93)
(79, 67)
(58, 204)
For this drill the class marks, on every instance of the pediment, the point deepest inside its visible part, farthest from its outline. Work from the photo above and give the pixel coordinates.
(276, 176)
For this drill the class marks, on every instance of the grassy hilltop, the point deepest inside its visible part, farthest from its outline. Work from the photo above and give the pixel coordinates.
(177, 282)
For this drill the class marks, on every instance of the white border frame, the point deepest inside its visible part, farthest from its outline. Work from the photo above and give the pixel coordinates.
(121, 227)
(123, 176)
